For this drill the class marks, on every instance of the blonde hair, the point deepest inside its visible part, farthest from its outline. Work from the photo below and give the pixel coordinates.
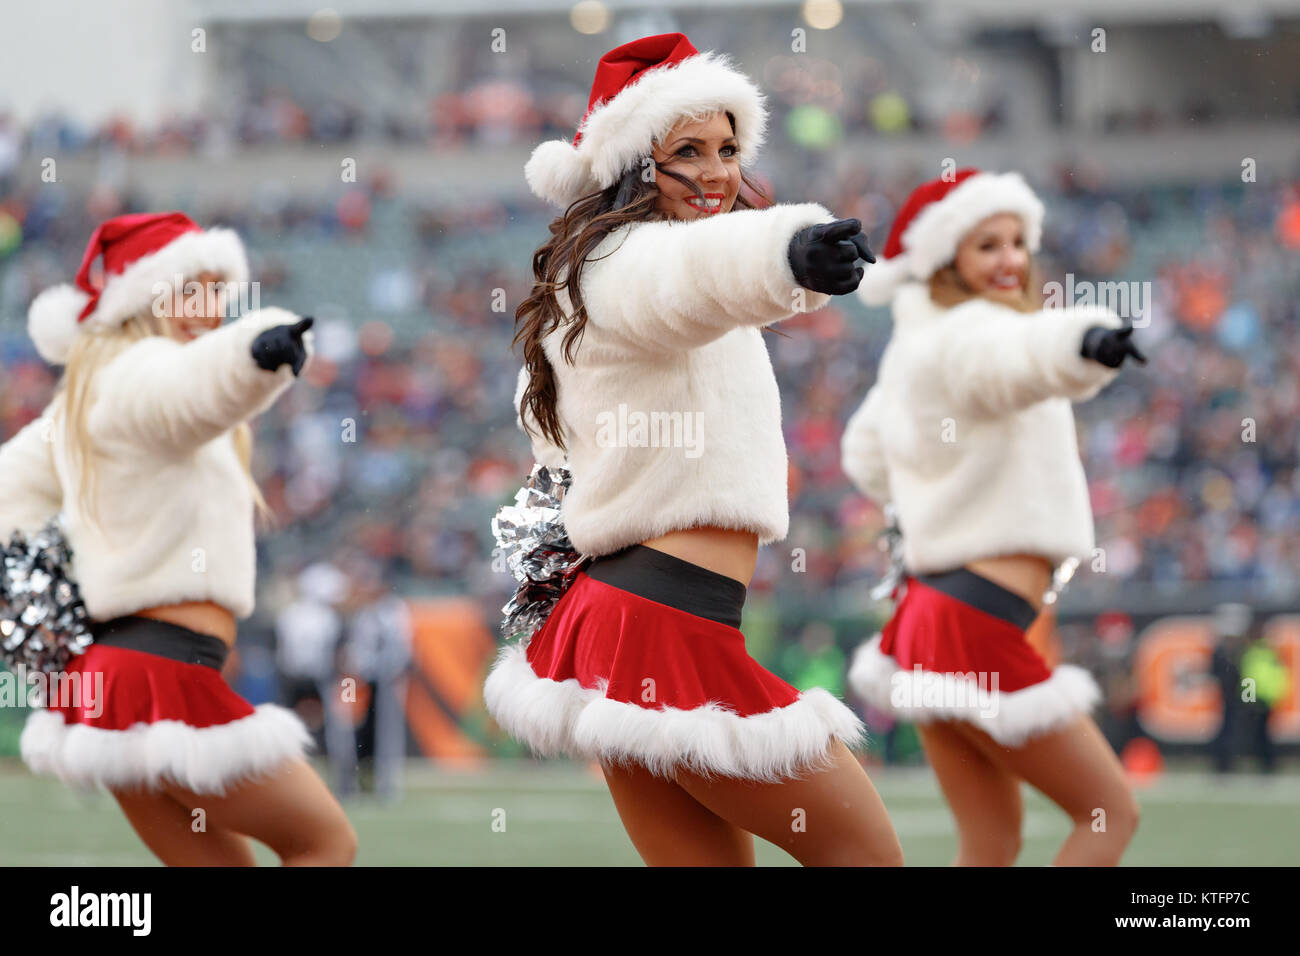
(948, 288)
(91, 350)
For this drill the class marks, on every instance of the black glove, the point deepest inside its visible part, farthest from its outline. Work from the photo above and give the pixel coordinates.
(280, 344)
(823, 257)
(1110, 346)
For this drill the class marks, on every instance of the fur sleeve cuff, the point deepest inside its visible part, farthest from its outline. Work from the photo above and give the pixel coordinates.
(789, 219)
(258, 322)
(1085, 377)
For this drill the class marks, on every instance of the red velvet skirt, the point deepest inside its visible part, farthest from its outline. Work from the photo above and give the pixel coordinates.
(955, 648)
(642, 661)
(145, 705)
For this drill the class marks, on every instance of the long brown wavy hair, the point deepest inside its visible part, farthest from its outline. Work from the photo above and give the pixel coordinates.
(574, 236)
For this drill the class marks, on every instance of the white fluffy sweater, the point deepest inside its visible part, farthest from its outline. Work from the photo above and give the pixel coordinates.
(670, 412)
(174, 507)
(970, 433)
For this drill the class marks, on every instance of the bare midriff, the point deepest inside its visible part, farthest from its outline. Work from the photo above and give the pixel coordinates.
(205, 617)
(724, 550)
(1028, 575)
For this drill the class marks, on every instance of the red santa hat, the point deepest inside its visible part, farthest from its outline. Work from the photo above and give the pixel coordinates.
(140, 252)
(937, 216)
(641, 91)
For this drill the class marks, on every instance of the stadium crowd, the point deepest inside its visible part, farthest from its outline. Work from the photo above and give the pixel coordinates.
(392, 455)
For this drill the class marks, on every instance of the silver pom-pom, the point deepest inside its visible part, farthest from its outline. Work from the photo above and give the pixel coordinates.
(531, 535)
(891, 540)
(1060, 579)
(43, 622)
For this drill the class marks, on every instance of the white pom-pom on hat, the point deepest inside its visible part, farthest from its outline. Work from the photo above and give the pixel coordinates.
(558, 173)
(52, 321)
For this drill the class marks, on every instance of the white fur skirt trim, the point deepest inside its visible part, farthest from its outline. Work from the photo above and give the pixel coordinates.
(557, 718)
(200, 759)
(1009, 717)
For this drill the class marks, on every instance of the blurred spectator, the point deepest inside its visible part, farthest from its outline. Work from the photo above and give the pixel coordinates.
(1271, 683)
(378, 653)
(1231, 625)
(307, 634)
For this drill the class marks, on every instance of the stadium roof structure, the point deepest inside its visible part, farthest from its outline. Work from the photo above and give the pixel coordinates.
(977, 13)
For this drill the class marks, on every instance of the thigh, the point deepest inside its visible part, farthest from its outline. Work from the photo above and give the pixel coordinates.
(668, 826)
(830, 817)
(292, 811)
(983, 795)
(1074, 767)
(169, 830)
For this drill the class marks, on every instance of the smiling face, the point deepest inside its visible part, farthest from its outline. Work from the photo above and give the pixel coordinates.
(705, 151)
(200, 308)
(992, 259)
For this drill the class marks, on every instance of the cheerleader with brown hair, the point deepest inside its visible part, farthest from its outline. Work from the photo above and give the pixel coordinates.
(647, 313)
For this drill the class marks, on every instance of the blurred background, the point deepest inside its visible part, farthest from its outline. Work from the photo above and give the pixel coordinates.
(371, 155)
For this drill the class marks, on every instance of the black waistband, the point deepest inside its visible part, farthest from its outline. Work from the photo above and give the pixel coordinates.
(163, 639)
(670, 580)
(982, 594)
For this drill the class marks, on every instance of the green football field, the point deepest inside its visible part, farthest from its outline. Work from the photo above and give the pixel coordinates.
(561, 814)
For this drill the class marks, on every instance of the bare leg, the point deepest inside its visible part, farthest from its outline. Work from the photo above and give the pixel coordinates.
(669, 827)
(1076, 769)
(292, 812)
(983, 795)
(830, 818)
(169, 830)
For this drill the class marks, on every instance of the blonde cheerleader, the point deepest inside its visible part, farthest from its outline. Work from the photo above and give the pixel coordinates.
(969, 434)
(145, 451)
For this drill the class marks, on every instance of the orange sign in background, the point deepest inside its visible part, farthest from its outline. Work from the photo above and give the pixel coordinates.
(450, 650)
(1179, 699)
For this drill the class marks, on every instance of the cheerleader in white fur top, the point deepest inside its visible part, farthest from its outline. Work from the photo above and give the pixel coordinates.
(969, 433)
(649, 304)
(145, 450)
